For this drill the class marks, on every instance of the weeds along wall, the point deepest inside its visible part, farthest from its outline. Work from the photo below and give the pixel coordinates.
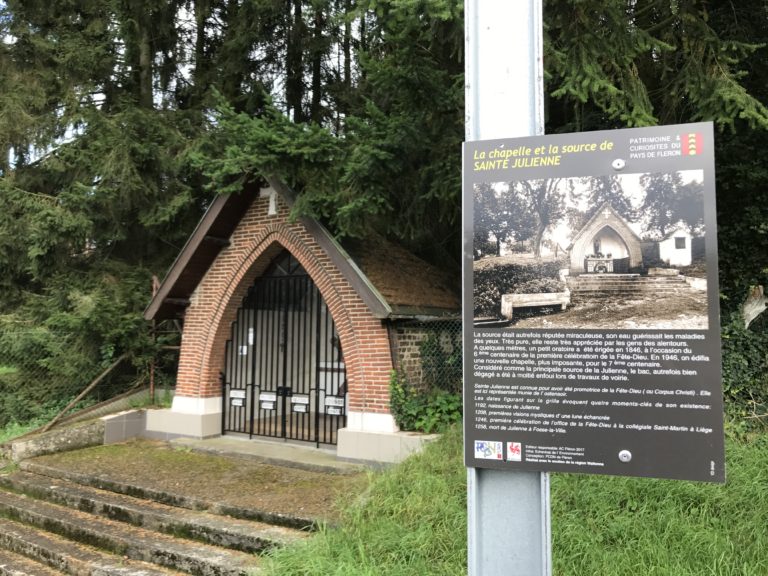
(425, 388)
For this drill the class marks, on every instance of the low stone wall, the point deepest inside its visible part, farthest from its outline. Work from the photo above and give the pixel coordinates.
(699, 284)
(57, 440)
(105, 430)
(663, 272)
(383, 448)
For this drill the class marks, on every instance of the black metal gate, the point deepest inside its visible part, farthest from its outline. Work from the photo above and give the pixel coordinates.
(284, 373)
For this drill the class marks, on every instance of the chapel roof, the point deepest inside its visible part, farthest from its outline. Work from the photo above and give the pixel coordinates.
(676, 230)
(407, 283)
(393, 282)
(605, 215)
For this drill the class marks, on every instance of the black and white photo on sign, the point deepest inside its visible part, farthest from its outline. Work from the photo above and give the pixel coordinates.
(621, 251)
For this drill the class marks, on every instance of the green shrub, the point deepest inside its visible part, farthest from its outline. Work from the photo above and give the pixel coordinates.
(540, 286)
(487, 300)
(745, 372)
(430, 410)
(491, 281)
(441, 409)
(484, 248)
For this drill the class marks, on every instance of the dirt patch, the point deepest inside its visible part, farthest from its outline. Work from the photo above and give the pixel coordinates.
(223, 479)
(682, 311)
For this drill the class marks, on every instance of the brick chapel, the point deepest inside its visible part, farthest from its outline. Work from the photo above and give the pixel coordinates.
(286, 333)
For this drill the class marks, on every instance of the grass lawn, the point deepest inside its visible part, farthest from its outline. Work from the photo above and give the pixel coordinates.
(412, 521)
(610, 525)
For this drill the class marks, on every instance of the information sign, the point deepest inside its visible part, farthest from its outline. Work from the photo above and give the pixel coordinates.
(591, 304)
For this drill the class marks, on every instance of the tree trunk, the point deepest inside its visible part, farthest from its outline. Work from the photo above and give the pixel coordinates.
(347, 49)
(317, 62)
(537, 238)
(145, 64)
(363, 39)
(294, 66)
(754, 305)
(202, 65)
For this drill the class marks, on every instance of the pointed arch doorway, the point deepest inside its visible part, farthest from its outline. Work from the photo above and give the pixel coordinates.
(284, 374)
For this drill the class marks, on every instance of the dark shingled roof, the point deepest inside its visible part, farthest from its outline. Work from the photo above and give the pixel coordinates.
(393, 282)
(408, 284)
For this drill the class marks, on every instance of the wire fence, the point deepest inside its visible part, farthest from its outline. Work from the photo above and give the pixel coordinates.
(42, 371)
(428, 354)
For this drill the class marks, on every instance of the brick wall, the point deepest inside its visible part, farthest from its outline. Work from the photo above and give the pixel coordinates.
(423, 366)
(255, 242)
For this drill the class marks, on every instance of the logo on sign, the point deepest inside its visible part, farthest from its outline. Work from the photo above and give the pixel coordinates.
(488, 450)
(514, 451)
(692, 144)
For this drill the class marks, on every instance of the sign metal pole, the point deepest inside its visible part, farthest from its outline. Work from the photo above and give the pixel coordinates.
(508, 512)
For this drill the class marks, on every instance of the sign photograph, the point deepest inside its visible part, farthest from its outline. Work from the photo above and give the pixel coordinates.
(591, 304)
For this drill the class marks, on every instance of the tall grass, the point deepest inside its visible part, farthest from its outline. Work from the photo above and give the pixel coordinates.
(15, 429)
(604, 525)
(412, 521)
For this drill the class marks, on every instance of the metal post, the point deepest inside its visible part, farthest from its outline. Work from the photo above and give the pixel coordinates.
(508, 512)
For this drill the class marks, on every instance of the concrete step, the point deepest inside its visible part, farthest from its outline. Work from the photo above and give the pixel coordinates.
(628, 286)
(629, 290)
(128, 541)
(592, 296)
(243, 535)
(26, 550)
(162, 497)
(619, 278)
(649, 283)
(16, 565)
(618, 287)
(612, 284)
(627, 278)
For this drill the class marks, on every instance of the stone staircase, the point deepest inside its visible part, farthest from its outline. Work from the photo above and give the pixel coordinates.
(57, 522)
(600, 285)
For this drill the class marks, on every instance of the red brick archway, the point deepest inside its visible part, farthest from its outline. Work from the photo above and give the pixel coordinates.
(213, 308)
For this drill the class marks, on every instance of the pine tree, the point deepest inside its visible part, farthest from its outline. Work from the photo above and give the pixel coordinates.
(120, 120)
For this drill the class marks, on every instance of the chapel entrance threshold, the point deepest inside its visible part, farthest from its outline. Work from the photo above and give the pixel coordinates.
(291, 454)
